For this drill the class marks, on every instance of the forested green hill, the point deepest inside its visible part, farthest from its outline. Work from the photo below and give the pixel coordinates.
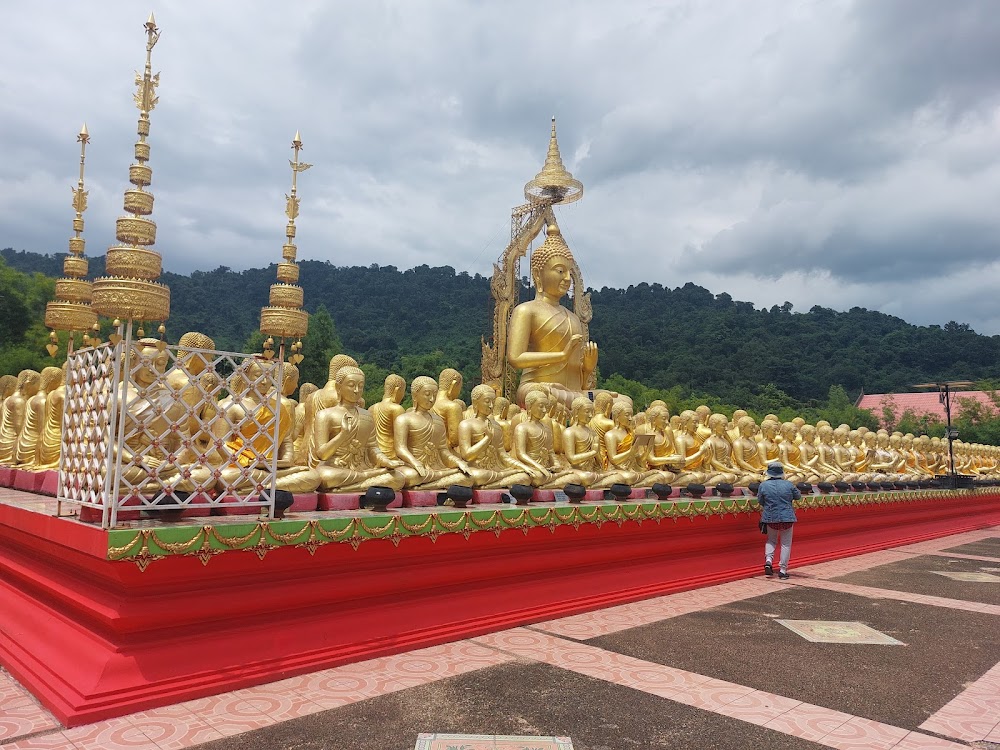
(684, 341)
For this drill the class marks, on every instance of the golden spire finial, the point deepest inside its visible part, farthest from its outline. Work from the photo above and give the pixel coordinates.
(284, 316)
(130, 289)
(71, 310)
(553, 184)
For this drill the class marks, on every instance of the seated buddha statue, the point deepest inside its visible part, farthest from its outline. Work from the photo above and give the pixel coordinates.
(580, 443)
(748, 461)
(421, 443)
(149, 464)
(626, 459)
(533, 446)
(447, 403)
(299, 431)
(716, 453)
(884, 461)
(14, 412)
(664, 449)
(827, 465)
(809, 456)
(789, 454)
(702, 415)
(50, 444)
(601, 422)
(844, 456)
(26, 450)
(202, 405)
(249, 448)
(480, 443)
(767, 440)
(687, 460)
(546, 341)
(324, 398)
(734, 425)
(8, 384)
(501, 415)
(385, 412)
(346, 447)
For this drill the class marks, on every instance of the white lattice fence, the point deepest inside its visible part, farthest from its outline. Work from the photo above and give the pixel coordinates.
(159, 429)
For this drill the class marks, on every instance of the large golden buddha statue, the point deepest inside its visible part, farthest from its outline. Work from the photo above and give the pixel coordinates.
(547, 341)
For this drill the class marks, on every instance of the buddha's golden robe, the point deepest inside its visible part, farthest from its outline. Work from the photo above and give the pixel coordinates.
(50, 446)
(31, 431)
(555, 325)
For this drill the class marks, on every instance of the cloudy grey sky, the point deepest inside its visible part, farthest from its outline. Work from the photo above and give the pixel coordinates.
(826, 152)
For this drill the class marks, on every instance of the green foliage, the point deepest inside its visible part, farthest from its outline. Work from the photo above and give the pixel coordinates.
(685, 346)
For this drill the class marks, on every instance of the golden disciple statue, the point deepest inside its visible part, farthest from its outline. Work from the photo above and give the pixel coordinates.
(298, 442)
(626, 456)
(480, 443)
(385, 412)
(150, 410)
(26, 452)
(253, 407)
(422, 443)
(580, 443)
(348, 454)
(447, 405)
(8, 384)
(13, 414)
(533, 446)
(748, 459)
(182, 379)
(50, 445)
(325, 397)
(546, 340)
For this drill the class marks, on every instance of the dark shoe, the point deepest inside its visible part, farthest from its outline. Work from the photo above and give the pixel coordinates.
(782, 576)
(768, 570)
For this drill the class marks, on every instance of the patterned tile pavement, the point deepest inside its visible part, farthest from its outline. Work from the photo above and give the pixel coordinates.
(972, 716)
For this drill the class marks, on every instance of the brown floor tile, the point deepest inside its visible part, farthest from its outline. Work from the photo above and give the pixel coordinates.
(984, 547)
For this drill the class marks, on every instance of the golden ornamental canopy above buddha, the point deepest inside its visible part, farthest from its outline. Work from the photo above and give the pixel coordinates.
(554, 184)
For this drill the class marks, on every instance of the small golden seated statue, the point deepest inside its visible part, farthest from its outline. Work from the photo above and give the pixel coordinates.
(533, 446)
(349, 458)
(422, 443)
(480, 443)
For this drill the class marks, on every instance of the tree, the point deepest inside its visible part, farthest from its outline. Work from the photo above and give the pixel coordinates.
(319, 345)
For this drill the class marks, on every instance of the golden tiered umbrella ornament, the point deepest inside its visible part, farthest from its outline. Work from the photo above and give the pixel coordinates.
(284, 317)
(71, 310)
(130, 290)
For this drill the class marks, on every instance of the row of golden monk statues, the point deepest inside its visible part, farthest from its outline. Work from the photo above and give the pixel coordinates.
(329, 442)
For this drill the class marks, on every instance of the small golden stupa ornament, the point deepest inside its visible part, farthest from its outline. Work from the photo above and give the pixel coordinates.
(71, 310)
(284, 316)
(130, 289)
(553, 184)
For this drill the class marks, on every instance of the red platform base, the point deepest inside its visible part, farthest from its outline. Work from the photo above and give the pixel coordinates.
(50, 483)
(95, 639)
(417, 498)
(28, 481)
(7, 475)
(336, 501)
(488, 497)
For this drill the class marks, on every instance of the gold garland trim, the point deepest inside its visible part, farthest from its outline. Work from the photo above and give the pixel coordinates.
(208, 542)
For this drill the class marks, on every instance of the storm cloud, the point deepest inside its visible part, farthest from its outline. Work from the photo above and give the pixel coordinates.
(833, 153)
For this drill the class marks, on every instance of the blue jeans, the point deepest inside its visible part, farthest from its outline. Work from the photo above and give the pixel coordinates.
(773, 535)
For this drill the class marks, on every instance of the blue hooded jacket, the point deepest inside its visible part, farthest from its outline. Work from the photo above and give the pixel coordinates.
(775, 497)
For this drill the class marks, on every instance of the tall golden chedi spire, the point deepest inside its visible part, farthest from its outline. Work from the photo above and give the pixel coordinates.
(130, 289)
(284, 316)
(71, 310)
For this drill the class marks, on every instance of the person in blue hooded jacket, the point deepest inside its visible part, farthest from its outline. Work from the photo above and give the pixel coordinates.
(775, 497)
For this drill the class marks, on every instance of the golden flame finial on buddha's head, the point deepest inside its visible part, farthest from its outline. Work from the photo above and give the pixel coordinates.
(71, 309)
(554, 184)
